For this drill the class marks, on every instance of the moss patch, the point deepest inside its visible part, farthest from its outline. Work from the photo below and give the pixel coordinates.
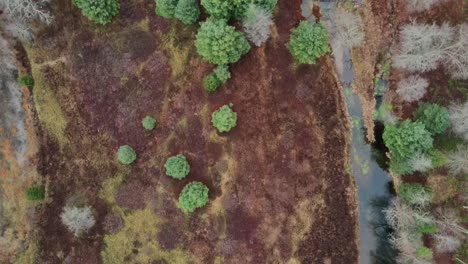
(137, 242)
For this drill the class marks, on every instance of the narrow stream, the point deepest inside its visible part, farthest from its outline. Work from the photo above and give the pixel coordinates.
(373, 182)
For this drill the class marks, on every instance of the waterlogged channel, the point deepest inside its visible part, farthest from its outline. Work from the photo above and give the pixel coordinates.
(373, 182)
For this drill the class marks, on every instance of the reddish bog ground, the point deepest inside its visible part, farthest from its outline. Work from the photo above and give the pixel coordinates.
(278, 187)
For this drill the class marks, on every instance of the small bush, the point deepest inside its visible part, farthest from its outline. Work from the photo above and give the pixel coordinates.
(26, 80)
(424, 252)
(219, 43)
(177, 167)
(126, 155)
(148, 123)
(211, 83)
(412, 88)
(35, 193)
(434, 117)
(415, 194)
(78, 220)
(193, 196)
(99, 11)
(308, 42)
(187, 11)
(166, 8)
(215, 79)
(257, 23)
(407, 139)
(224, 119)
(458, 115)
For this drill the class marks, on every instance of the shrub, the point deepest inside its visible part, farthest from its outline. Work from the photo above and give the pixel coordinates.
(242, 6)
(219, 43)
(308, 42)
(148, 123)
(427, 229)
(407, 139)
(187, 11)
(434, 117)
(166, 8)
(412, 88)
(126, 155)
(177, 167)
(215, 79)
(35, 193)
(415, 194)
(26, 80)
(257, 23)
(420, 162)
(458, 115)
(224, 119)
(227, 9)
(77, 220)
(400, 166)
(424, 252)
(438, 158)
(193, 196)
(458, 161)
(99, 11)
(219, 8)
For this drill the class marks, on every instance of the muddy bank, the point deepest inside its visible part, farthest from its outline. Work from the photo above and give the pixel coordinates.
(279, 191)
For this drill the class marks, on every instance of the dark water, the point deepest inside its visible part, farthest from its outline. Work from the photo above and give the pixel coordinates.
(373, 182)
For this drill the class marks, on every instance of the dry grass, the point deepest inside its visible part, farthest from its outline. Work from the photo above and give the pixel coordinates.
(177, 51)
(137, 242)
(47, 107)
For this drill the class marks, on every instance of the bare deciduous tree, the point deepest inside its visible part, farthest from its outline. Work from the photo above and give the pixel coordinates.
(456, 55)
(405, 220)
(458, 115)
(412, 88)
(421, 46)
(458, 161)
(28, 10)
(425, 47)
(348, 28)
(257, 24)
(421, 5)
(7, 58)
(446, 243)
(78, 219)
(421, 163)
